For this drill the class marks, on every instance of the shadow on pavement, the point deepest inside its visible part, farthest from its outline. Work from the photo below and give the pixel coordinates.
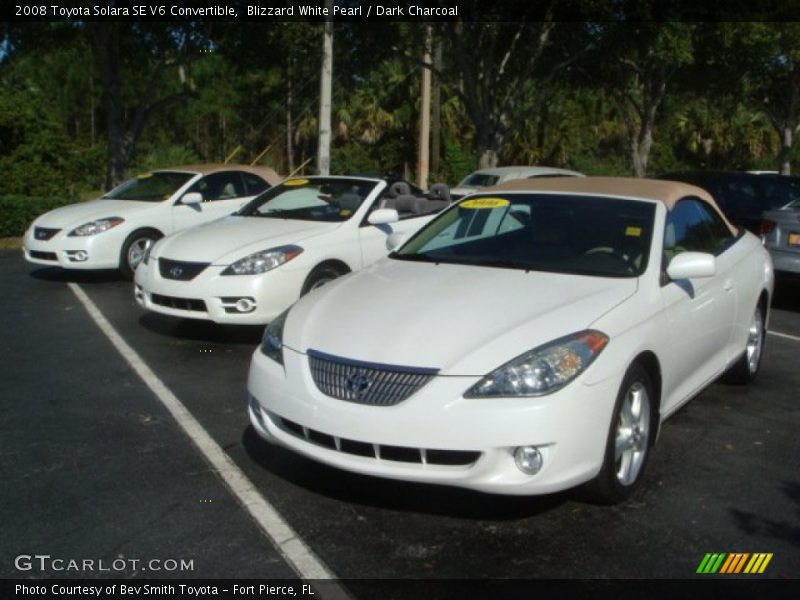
(387, 493)
(787, 293)
(204, 331)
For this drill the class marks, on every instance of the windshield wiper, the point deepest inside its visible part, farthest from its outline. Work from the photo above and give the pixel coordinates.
(505, 264)
(414, 257)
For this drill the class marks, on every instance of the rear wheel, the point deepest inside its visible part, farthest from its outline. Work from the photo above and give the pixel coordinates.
(133, 250)
(319, 276)
(745, 369)
(630, 438)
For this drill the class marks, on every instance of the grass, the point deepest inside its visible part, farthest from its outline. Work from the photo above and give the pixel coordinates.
(10, 242)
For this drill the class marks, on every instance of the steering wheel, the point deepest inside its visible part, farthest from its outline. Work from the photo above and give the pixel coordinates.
(613, 253)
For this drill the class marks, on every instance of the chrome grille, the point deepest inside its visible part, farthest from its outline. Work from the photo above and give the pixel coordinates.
(180, 270)
(366, 383)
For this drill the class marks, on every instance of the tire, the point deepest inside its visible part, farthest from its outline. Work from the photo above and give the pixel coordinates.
(745, 369)
(630, 437)
(319, 276)
(133, 250)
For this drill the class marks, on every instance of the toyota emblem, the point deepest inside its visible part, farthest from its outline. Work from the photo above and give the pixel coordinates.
(358, 382)
(176, 272)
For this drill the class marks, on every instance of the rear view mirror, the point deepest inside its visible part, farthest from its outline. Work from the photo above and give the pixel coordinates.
(688, 265)
(382, 216)
(192, 198)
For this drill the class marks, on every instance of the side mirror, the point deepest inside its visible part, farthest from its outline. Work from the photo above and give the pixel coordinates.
(688, 265)
(192, 198)
(395, 239)
(383, 216)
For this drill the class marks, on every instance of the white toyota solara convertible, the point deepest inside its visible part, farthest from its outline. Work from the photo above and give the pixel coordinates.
(249, 267)
(530, 339)
(113, 232)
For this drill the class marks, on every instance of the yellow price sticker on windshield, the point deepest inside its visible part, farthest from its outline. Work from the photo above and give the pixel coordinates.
(144, 175)
(632, 231)
(345, 212)
(482, 203)
(295, 182)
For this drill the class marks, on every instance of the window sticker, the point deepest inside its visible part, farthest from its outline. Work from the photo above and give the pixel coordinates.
(632, 231)
(485, 203)
(144, 175)
(295, 182)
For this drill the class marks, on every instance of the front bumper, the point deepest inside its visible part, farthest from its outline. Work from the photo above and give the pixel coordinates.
(99, 251)
(569, 428)
(213, 296)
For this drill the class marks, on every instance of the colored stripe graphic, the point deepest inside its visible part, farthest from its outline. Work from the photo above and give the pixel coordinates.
(733, 563)
(758, 563)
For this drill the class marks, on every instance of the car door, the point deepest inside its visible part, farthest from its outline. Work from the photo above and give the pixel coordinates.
(223, 192)
(700, 312)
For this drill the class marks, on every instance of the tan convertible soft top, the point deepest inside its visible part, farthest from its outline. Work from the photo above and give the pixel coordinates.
(265, 173)
(668, 192)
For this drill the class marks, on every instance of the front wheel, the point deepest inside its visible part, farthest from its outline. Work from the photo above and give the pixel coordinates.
(319, 276)
(133, 250)
(630, 437)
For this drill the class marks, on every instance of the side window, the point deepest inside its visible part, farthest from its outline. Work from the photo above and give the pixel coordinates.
(220, 186)
(721, 236)
(255, 185)
(693, 226)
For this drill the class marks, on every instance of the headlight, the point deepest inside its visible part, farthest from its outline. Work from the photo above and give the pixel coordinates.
(261, 262)
(543, 370)
(272, 342)
(95, 227)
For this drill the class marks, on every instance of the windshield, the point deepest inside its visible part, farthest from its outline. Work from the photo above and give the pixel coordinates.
(313, 199)
(479, 180)
(150, 187)
(561, 233)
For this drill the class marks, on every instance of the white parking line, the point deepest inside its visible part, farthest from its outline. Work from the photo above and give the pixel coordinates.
(784, 335)
(298, 555)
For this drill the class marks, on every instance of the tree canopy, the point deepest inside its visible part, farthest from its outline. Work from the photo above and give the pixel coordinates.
(82, 105)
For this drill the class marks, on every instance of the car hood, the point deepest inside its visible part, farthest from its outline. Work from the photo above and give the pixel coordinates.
(231, 238)
(462, 320)
(74, 215)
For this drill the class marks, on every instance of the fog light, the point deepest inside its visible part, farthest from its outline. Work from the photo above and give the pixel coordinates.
(528, 459)
(245, 305)
(77, 255)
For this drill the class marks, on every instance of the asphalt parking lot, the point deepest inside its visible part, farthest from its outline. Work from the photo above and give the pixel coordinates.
(94, 466)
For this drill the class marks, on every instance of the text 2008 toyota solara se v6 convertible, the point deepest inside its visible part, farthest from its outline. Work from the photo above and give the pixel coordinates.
(529, 339)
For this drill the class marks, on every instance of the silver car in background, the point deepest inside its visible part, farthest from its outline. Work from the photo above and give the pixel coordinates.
(780, 232)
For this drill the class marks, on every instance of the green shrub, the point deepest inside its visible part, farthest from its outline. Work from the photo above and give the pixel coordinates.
(17, 212)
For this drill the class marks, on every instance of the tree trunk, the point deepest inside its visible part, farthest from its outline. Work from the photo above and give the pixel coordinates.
(289, 146)
(436, 110)
(641, 144)
(784, 158)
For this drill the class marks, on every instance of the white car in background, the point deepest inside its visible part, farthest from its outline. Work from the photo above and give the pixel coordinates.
(530, 339)
(488, 177)
(249, 267)
(112, 232)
